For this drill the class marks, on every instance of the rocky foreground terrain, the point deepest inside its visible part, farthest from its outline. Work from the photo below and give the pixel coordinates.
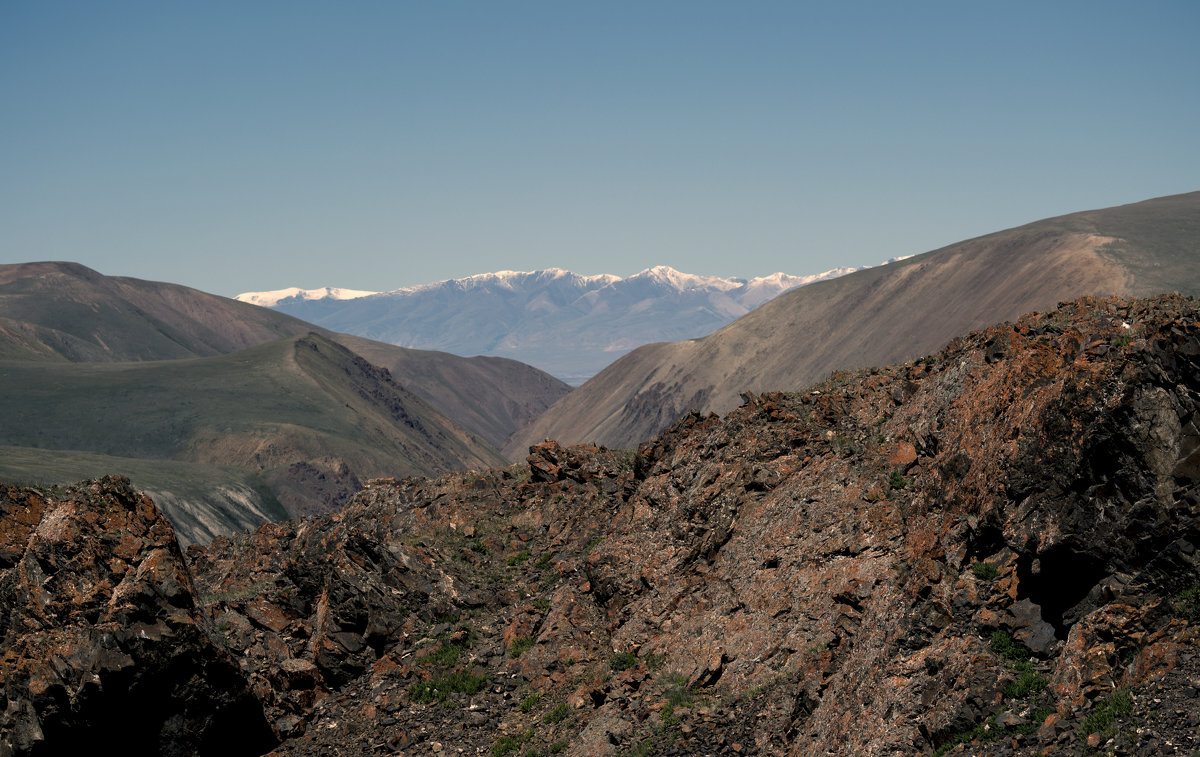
(988, 551)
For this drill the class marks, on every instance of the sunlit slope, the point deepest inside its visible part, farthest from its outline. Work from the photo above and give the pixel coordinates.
(884, 315)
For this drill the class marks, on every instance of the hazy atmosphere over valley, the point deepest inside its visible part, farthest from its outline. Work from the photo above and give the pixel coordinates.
(604, 379)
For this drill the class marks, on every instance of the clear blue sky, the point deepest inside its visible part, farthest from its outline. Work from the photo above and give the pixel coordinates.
(236, 146)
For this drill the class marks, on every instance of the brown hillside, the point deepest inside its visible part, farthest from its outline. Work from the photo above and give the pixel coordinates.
(881, 315)
(68, 312)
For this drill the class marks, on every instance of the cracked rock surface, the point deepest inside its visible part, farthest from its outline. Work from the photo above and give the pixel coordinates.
(988, 551)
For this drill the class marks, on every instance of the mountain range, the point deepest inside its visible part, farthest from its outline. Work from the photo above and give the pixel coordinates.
(566, 324)
(230, 414)
(880, 315)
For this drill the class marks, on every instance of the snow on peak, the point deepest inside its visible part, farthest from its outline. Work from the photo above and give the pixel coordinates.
(510, 280)
(750, 293)
(665, 274)
(274, 297)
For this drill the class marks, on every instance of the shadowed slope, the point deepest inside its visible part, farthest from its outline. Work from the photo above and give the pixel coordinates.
(311, 417)
(57, 312)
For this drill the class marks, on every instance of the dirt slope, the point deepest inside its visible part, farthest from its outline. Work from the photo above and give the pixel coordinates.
(882, 315)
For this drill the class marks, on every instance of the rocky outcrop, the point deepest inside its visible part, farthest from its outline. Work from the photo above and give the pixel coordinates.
(101, 639)
(991, 550)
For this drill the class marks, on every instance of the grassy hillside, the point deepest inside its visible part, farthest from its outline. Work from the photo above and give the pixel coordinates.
(66, 312)
(299, 410)
(884, 315)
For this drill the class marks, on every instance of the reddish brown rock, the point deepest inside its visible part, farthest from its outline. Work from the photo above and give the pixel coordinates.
(102, 641)
(983, 547)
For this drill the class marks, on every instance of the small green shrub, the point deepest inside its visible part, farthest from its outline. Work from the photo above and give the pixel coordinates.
(622, 661)
(896, 480)
(509, 744)
(519, 557)
(1029, 682)
(1100, 720)
(529, 702)
(677, 693)
(439, 690)
(1187, 604)
(520, 645)
(557, 714)
(544, 560)
(444, 656)
(557, 747)
(1004, 645)
(542, 604)
(667, 715)
(985, 571)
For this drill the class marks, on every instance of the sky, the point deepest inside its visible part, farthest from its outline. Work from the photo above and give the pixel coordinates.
(248, 146)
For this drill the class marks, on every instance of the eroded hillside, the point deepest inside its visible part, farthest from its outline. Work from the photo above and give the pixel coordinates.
(990, 550)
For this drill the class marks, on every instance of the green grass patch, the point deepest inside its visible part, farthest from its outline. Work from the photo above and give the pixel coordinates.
(985, 571)
(520, 645)
(519, 557)
(667, 715)
(556, 714)
(439, 690)
(1104, 715)
(1004, 645)
(622, 661)
(1186, 604)
(444, 656)
(677, 693)
(529, 702)
(1028, 683)
(510, 744)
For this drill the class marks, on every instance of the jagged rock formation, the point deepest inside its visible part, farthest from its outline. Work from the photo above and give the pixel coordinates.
(102, 640)
(991, 550)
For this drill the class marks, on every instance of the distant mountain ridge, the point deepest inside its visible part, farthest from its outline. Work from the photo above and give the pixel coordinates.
(567, 324)
(883, 315)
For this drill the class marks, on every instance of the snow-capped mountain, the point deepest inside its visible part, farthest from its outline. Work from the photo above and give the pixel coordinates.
(567, 324)
(274, 297)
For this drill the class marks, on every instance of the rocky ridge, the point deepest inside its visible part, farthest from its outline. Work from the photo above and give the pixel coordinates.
(991, 550)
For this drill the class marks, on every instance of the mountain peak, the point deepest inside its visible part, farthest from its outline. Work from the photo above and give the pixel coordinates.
(274, 297)
(568, 324)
